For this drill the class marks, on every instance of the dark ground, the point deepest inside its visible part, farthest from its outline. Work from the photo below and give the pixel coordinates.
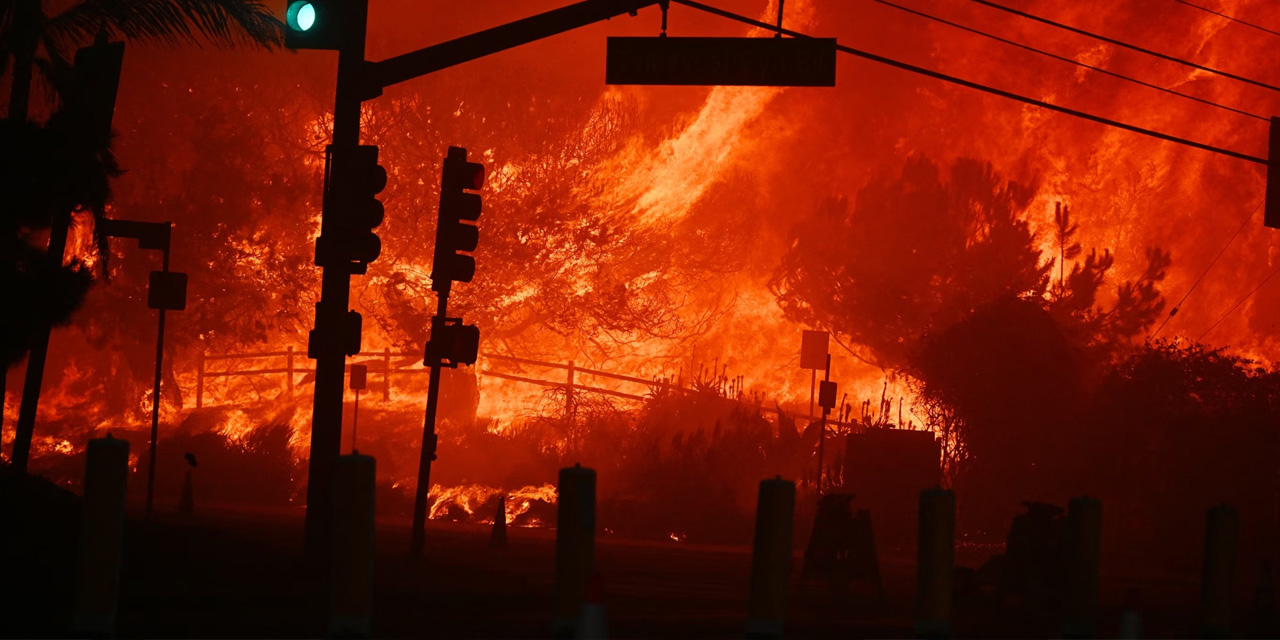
(232, 573)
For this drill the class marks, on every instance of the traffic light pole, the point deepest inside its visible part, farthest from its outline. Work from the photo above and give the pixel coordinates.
(335, 296)
(26, 426)
(357, 81)
(429, 438)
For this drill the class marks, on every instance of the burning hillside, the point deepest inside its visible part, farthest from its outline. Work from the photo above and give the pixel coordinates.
(672, 243)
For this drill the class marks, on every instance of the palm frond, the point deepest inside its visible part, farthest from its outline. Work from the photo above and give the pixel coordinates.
(224, 23)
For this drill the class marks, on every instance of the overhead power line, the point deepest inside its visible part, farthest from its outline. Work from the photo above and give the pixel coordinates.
(1119, 43)
(1174, 311)
(1068, 60)
(1231, 18)
(1237, 304)
(980, 87)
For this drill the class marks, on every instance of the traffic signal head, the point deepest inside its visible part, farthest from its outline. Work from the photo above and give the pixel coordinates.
(95, 78)
(1271, 213)
(352, 208)
(458, 209)
(452, 343)
(323, 24)
(301, 15)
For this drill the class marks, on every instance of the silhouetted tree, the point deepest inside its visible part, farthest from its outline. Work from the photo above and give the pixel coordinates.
(1176, 428)
(939, 276)
(59, 168)
(915, 252)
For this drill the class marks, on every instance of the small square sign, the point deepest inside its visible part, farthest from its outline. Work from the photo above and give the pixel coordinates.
(827, 394)
(167, 290)
(359, 376)
(813, 350)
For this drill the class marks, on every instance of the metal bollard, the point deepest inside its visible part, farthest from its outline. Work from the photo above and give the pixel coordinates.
(1217, 580)
(771, 559)
(1083, 546)
(935, 562)
(351, 559)
(575, 546)
(101, 537)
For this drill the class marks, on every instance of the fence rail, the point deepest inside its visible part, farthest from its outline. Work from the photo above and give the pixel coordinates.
(386, 371)
(570, 382)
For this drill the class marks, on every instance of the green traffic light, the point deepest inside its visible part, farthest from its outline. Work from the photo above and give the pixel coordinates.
(301, 16)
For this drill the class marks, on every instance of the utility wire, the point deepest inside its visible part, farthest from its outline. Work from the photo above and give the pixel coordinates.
(1174, 311)
(980, 87)
(1237, 304)
(1231, 18)
(1126, 45)
(1068, 60)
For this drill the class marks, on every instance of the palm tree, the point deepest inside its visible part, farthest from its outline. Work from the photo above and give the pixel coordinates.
(78, 175)
(27, 30)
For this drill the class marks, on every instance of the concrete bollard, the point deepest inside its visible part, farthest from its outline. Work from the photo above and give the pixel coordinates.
(771, 559)
(498, 537)
(1264, 603)
(1083, 549)
(1217, 580)
(1131, 617)
(575, 546)
(594, 621)
(351, 558)
(935, 562)
(101, 537)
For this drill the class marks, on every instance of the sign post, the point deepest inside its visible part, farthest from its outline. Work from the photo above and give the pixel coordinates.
(359, 380)
(814, 346)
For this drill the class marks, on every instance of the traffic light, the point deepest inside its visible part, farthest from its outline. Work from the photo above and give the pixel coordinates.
(454, 231)
(95, 79)
(355, 179)
(452, 343)
(320, 24)
(1271, 214)
(346, 336)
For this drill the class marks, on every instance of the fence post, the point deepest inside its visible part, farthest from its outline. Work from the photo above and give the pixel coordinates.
(351, 586)
(771, 559)
(1217, 581)
(289, 365)
(386, 375)
(935, 562)
(568, 397)
(200, 381)
(575, 546)
(101, 537)
(1083, 553)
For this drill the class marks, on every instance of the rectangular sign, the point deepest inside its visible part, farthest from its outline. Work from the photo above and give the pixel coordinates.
(359, 376)
(813, 349)
(763, 62)
(167, 290)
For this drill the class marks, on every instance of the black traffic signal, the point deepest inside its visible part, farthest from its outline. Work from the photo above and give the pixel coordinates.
(454, 231)
(95, 79)
(355, 179)
(346, 336)
(321, 24)
(452, 343)
(1271, 214)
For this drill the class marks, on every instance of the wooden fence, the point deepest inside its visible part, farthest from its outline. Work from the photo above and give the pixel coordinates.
(390, 363)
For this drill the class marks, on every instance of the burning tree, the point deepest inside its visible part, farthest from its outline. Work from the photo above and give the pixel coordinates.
(939, 276)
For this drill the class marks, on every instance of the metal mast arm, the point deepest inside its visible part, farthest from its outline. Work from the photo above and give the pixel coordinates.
(477, 45)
